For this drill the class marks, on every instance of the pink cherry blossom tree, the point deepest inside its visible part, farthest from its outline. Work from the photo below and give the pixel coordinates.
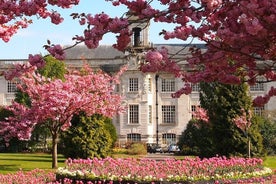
(54, 102)
(17, 14)
(240, 36)
(200, 114)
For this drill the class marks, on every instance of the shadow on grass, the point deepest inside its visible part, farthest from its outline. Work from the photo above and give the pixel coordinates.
(30, 160)
(9, 168)
(39, 155)
(13, 162)
(30, 157)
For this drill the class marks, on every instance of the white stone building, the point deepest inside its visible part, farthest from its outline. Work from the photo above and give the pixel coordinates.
(152, 116)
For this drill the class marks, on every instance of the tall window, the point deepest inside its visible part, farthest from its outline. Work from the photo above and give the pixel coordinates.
(133, 84)
(134, 137)
(257, 87)
(168, 114)
(149, 85)
(195, 87)
(193, 109)
(133, 114)
(150, 114)
(12, 86)
(117, 88)
(168, 138)
(258, 111)
(168, 85)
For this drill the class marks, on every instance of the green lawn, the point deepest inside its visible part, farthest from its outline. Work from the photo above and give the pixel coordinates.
(270, 162)
(12, 162)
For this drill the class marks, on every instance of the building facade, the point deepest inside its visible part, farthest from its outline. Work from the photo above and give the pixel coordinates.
(152, 115)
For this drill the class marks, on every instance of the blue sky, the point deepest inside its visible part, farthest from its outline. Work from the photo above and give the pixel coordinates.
(31, 40)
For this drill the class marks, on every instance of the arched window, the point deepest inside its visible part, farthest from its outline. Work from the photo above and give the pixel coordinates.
(168, 138)
(134, 137)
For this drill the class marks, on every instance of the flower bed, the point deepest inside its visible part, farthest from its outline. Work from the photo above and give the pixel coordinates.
(143, 171)
(36, 176)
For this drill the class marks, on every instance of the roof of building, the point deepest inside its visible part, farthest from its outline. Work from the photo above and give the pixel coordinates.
(108, 52)
(107, 55)
(103, 51)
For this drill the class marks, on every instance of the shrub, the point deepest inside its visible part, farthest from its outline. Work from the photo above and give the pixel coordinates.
(196, 140)
(268, 132)
(87, 138)
(137, 149)
(119, 150)
(111, 129)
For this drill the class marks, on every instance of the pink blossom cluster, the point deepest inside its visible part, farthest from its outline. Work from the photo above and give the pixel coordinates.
(200, 114)
(17, 14)
(212, 4)
(56, 51)
(57, 101)
(218, 169)
(7, 31)
(140, 8)
(100, 24)
(262, 100)
(34, 62)
(243, 121)
(159, 60)
(186, 89)
(17, 71)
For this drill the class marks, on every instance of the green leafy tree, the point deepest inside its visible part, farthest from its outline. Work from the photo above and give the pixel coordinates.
(111, 129)
(196, 139)
(53, 68)
(257, 148)
(268, 131)
(87, 137)
(223, 103)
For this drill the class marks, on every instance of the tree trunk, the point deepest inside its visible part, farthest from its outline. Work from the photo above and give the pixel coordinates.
(54, 150)
(249, 147)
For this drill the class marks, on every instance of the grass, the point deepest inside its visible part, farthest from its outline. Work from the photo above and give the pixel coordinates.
(270, 162)
(12, 162)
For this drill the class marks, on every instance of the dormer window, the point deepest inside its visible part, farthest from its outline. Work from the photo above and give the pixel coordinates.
(136, 36)
(140, 33)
